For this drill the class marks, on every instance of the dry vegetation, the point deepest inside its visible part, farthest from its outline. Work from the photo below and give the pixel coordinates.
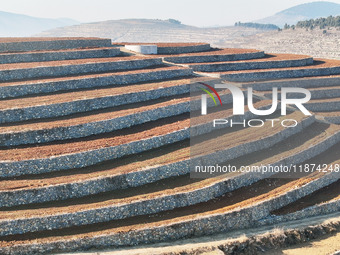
(316, 43)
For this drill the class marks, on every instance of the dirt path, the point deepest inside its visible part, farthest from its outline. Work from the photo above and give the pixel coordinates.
(209, 244)
(268, 57)
(320, 246)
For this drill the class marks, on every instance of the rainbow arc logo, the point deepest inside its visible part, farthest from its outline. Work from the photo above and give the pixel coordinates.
(209, 93)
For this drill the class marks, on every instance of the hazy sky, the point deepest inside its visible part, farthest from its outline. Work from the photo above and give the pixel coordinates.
(191, 12)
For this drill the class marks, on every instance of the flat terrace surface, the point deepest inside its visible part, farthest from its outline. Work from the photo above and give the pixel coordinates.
(267, 58)
(71, 62)
(321, 88)
(56, 51)
(324, 100)
(134, 163)
(324, 195)
(94, 116)
(39, 39)
(291, 79)
(171, 186)
(160, 44)
(244, 197)
(145, 131)
(318, 63)
(330, 114)
(169, 154)
(80, 77)
(94, 93)
(226, 51)
(315, 89)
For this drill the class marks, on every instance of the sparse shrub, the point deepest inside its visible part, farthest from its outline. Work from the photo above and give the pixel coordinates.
(322, 23)
(324, 31)
(286, 26)
(257, 25)
(174, 21)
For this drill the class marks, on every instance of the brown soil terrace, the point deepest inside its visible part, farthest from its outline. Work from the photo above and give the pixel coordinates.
(318, 63)
(119, 137)
(95, 93)
(77, 204)
(162, 156)
(71, 62)
(144, 131)
(172, 153)
(303, 140)
(321, 88)
(39, 39)
(233, 197)
(99, 115)
(244, 197)
(325, 88)
(324, 195)
(160, 44)
(268, 57)
(248, 196)
(327, 194)
(329, 114)
(181, 184)
(296, 79)
(324, 100)
(243, 136)
(64, 50)
(80, 77)
(226, 51)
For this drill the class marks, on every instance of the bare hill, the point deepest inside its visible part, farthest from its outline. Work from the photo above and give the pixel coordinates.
(303, 12)
(13, 25)
(150, 30)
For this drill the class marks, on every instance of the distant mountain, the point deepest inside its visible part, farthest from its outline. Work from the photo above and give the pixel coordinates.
(125, 29)
(13, 25)
(302, 12)
(152, 30)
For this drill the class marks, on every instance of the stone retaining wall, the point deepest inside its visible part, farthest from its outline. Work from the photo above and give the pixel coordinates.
(53, 44)
(85, 105)
(323, 106)
(98, 127)
(328, 92)
(138, 178)
(333, 119)
(203, 225)
(87, 158)
(251, 65)
(65, 70)
(214, 58)
(92, 128)
(280, 74)
(55, 55)
(30, 88)
(182, 49)
(315, 210)
(142, 207)
(312, 82)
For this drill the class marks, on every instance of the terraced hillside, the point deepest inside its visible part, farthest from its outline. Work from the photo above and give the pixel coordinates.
(95, 151)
